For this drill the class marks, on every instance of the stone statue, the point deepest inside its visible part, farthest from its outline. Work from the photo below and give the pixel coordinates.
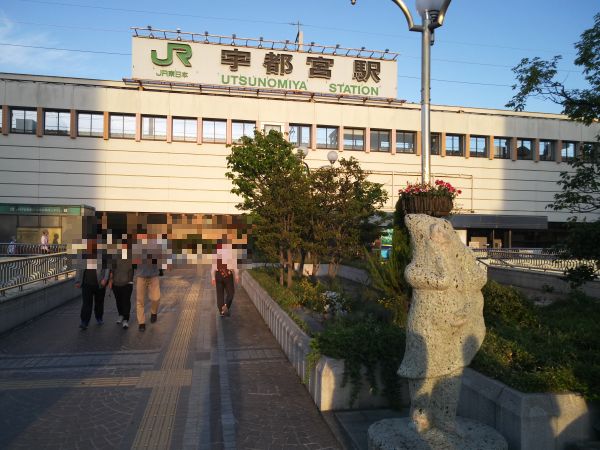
(445, 324)
(445, 329)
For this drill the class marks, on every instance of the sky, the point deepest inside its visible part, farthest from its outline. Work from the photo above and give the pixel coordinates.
(471, 60)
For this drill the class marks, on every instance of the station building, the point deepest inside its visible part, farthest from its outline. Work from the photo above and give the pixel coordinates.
(156, 144)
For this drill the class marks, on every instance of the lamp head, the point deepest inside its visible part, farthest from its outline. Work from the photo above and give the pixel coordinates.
(332, 156)
(435, 8)
(303, 151)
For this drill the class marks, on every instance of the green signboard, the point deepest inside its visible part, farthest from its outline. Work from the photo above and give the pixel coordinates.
(43, 210)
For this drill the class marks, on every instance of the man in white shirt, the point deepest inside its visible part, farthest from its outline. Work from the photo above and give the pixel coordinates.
(223, 272)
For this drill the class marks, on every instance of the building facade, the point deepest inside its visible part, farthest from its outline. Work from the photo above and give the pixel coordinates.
(134, 147)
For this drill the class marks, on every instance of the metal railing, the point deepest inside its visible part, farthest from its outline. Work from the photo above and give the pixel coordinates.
(18, 249)
(18, 272)
(541, 259)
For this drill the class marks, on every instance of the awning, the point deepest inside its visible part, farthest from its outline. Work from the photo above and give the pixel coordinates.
(499, 222)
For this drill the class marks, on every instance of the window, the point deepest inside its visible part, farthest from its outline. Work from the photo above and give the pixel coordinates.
(327, 137)
(589, 150)
(122, 126)
(214, 130)
(380, 141)
(90, 124)
(405, 142)
(354, 139)
(300, 135)
(478, 147)
(546, 150)
(239, 129)
(525, 149)
(154, 128)
(454, 145)
(23, 121)
(435, 144)
(57, 123)
(185, 130)
(502, 148)
(568, 151)
(268, 127)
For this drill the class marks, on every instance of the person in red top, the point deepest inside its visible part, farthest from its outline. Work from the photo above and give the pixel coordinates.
(224, 271)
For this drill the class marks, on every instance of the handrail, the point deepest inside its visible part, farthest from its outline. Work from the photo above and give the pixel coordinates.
(18, 272)
(19, 249)
(544, 259)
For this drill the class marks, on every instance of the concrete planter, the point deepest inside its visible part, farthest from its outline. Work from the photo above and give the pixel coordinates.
(325, 380)
(538, 421)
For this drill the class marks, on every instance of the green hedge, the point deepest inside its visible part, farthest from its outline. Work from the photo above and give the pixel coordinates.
(541, 349)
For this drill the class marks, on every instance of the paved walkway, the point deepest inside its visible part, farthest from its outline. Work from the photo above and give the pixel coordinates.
(192, 380)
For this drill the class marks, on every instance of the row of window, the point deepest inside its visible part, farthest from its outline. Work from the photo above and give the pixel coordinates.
(91, 124)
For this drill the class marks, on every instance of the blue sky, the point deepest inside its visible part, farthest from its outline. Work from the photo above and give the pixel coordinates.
(471, 59)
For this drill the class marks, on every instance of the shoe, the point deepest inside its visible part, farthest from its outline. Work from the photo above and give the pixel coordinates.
(100, 321)
(125, 324)
(224, 310)
(142, 327)
(83, 325)
(120, 320)
(153, 317)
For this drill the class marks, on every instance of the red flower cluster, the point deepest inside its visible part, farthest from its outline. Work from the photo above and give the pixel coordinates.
(439, 189)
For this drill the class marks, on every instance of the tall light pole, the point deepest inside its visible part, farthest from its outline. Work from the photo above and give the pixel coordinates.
(432, 14)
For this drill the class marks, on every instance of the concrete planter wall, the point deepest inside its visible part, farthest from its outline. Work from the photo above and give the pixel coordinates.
(527, 421)
(539, 280)
(325, 380)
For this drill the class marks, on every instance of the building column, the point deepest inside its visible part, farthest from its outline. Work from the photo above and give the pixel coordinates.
(73, 124)
(467, 146)
(443, 144)
(39, 131)
(513, 148)
(5, 120)
(367, 140)
(393, 142)
(341, 138)
(138, 127)
(228, 132)
(313, 136)
(106, 130)
(418, 143)
(169, 129)
(536, 150)
(491, 147)
(199, 130)
(558, 155)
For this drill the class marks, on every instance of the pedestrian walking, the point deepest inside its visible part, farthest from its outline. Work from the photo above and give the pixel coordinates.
(44, 241)
(121, 283)
(147, 254)
(224, 275)
(12, 246)
(92, 278)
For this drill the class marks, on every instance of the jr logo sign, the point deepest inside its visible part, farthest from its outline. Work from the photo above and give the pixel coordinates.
(183, 52)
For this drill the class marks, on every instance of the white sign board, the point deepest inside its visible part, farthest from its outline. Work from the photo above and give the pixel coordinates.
(261, 68)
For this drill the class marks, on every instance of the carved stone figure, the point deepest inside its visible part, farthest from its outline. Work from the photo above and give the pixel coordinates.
(445, 324)
(444, 331)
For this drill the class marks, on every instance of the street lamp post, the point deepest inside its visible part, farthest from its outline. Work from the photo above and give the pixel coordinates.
(432, 13)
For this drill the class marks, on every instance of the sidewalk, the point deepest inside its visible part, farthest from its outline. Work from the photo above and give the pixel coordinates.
(192, 380)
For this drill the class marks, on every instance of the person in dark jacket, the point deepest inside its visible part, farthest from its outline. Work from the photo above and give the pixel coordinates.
(92, 278)
(121, 283)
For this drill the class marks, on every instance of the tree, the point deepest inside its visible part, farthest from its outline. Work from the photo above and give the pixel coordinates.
(273, 185)
(345, 206)
(581, 184)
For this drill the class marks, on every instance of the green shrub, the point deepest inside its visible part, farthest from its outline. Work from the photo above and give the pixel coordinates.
(368, 345)
(541, 349)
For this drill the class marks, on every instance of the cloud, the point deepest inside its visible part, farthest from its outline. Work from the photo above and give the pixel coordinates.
(22, 56)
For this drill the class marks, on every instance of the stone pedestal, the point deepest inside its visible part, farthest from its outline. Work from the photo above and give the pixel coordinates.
(395, 434)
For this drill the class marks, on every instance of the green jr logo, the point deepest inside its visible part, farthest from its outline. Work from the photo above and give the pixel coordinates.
(183, 52)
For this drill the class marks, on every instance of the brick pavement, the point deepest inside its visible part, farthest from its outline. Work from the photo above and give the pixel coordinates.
(193, 380)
